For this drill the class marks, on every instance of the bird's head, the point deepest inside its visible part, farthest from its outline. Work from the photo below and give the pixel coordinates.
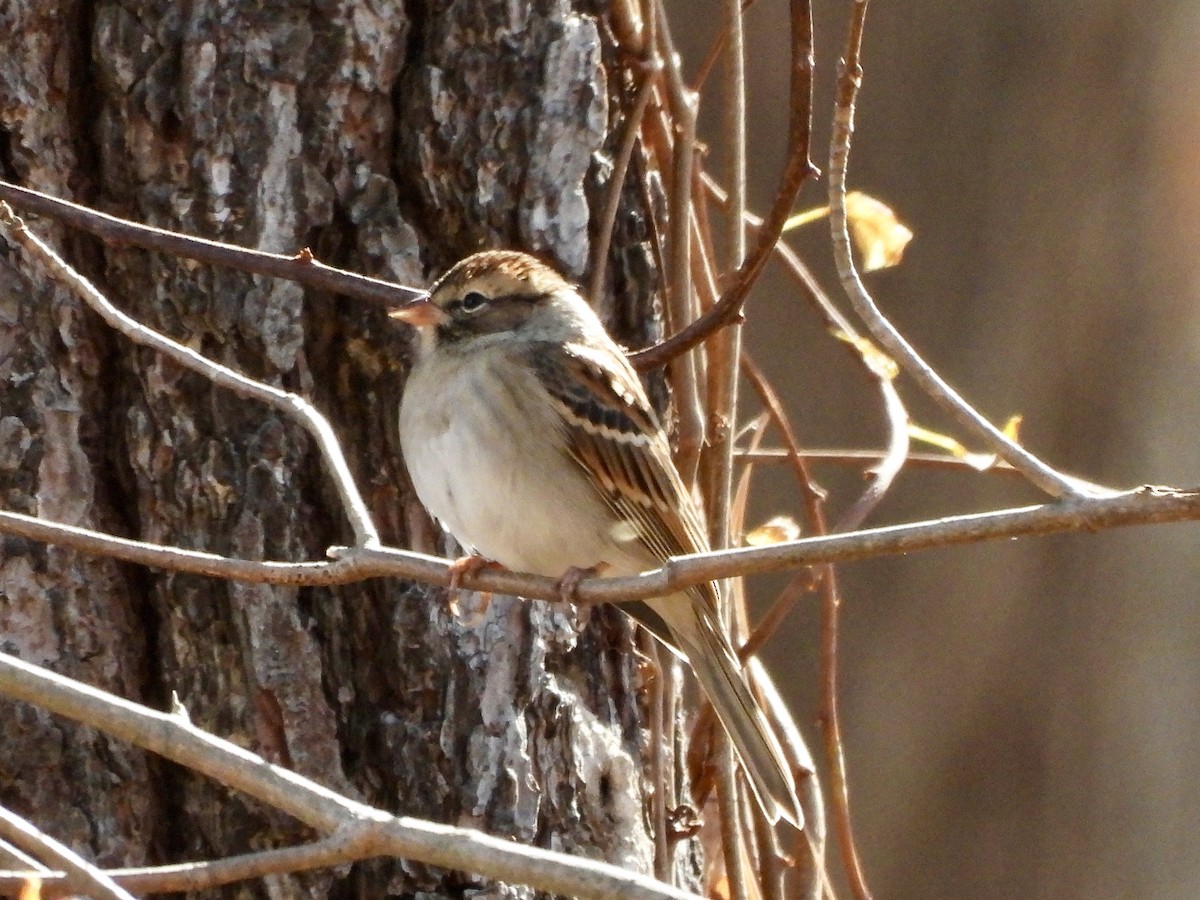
(494, 294)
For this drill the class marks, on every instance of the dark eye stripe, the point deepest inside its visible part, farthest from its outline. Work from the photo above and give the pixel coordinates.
(472, 317)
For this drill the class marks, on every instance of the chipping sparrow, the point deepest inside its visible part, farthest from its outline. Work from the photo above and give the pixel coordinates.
(528, 435)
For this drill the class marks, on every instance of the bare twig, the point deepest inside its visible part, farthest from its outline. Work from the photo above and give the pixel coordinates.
(812, 495)
(81, 875)
(659, 765)
(798, 585)
(301, 268)
(827, 579)
(839, 785)
(345, 570)
(343, 846)
(824, 576)
(1049, 480)
(809, 864)
(724, 351)
(796, 170)
(835, 754)
(337, 849)
(770, 862)
(680, 307)
(714, 52)
(883, 474)
(851, 456)
(1143, 506)
(379, 832)
(683, 113)
(13, 857)
(289, 404)
(612, 201)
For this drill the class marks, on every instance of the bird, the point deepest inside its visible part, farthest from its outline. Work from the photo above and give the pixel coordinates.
(527, 434)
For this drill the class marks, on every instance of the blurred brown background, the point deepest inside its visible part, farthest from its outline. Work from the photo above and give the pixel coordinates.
(1021, 719)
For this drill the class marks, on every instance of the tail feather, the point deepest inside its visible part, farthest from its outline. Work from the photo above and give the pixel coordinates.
(697, 634)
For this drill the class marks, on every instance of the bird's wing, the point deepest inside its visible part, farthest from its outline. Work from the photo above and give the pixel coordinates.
(613, 433)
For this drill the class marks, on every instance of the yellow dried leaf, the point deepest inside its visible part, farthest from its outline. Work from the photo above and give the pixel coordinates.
(1012, 429)
(877, 233)
(804, 218)
(774, 531)
(877, 361)
(979, 461)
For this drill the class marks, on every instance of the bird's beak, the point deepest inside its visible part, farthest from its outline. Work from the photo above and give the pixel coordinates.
(421, 311)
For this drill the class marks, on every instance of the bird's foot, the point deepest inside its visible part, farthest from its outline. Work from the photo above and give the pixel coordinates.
(465, 567)
(568, 584)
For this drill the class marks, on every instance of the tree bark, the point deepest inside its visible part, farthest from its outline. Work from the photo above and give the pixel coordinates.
(391, 138)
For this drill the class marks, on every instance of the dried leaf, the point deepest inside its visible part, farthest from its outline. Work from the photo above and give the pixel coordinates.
(774, 531)
(804, 218)
(877, 361)
(979, 461)
(877, 233)
(1012, 429)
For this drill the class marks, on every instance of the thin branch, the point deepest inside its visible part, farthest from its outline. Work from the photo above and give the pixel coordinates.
(612, 201)
(684, 105)
(681, 306)
(854, 457)
(1049, 480)
(798, 585)
(14, 857)
(289, 404)
(339, 848)
(890, 463)
(839, 785)
(345, 570)
(724, 351)
(343, 846)
(301, 268)
(1146, 505)
(796, 170)
(659, 765)
(693, 418)
(810, 493)
(809, 866)
(835, 754)
(379, 832)
(770, 862)
(826, 577)
(883, 474)
(714, 52)
(812, 500)
(81, 875)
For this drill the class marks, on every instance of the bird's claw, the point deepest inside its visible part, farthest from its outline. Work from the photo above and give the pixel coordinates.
(465, 567)
(568, 585)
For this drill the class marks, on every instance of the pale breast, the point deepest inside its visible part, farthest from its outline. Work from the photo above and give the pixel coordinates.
(484, 450)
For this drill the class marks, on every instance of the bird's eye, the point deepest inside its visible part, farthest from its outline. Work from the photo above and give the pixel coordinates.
(473, 302)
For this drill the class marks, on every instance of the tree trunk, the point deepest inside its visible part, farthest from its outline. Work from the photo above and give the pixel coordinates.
(391, 138)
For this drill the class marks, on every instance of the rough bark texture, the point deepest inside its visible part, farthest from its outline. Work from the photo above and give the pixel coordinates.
(392, 138)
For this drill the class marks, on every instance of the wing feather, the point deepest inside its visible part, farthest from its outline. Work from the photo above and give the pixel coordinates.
(613, 433)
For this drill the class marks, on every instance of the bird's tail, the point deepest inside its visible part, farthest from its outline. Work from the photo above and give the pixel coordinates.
(701, 640)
